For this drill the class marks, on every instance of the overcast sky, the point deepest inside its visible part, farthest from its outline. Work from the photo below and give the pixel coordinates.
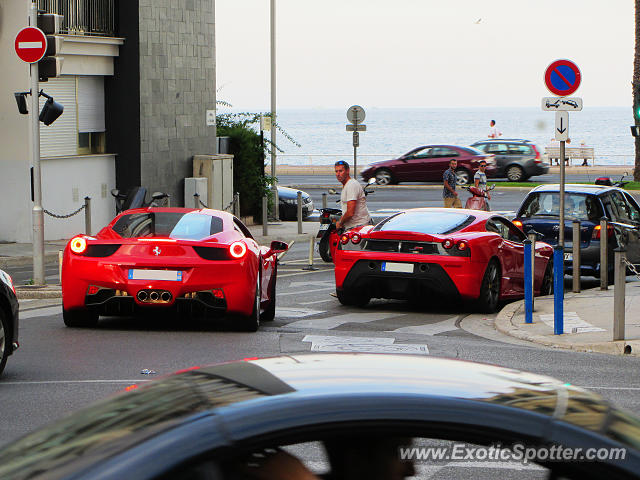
(421, 53)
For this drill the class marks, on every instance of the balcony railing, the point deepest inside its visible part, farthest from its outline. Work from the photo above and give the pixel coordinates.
(83, 17)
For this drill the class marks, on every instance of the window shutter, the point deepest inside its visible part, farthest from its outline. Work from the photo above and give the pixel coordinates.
(61, 137)
(91, 104)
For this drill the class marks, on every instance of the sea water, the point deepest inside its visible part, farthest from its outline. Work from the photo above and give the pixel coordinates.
(391, 132)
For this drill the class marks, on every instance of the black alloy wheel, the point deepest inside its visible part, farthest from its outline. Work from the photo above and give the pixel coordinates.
(515, 173)
(547, 281)
(490, 288)
(463, 176)
(269, 313)
(252, 322)
(384, 177)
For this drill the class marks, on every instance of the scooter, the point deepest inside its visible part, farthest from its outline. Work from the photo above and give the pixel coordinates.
(328, 233)
(479, 199)
(136, 198)
(607, 181)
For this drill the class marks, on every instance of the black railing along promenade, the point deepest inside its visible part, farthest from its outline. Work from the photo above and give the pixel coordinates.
(83, 17)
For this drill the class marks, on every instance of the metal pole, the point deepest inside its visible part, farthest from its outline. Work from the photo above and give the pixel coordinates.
(310, 266)
(575, 261)
(87, 215)
(37, 213)
(274, 186)
(528, 291)
(324, 199)
(618, 293)
(236, 204)
(558, 259)
(265, 219)
(355, 162)
(299, 207)
(532, 238)
(604, 251)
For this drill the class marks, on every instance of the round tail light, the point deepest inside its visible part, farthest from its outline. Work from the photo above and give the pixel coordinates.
(78, 245)
(462, 245)
(518, 224)
(237, 249)
(355, 238)
(344, 238)
(448, 243)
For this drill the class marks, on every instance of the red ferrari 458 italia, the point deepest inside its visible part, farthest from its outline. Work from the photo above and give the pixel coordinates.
(436, 252)
(200, 262)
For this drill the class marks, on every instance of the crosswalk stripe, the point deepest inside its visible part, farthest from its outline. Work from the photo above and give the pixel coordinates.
(336, 321)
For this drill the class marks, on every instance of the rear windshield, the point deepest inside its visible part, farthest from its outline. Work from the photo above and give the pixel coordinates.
(190, 225)
(429, 222)
(547, 204)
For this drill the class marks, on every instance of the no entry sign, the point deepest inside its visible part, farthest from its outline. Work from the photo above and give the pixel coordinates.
(562, 77)
(31, 44)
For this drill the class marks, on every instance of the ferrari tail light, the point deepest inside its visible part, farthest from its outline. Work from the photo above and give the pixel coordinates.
(92, 290)
(356, 238)
(448, 243)
(596, 232)
(344, 238)
(78, 245)
(462, 245)
(518, 224)
(238, 249)
(218, 292)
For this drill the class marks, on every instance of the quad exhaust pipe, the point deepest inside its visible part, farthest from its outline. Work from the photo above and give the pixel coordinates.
(154, 296)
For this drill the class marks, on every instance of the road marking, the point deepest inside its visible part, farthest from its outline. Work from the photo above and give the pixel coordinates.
(333, 322)
(318, 283)
(430, 328)
(41, 312)
(324, 289)
(322, 343)
(318, 301)
(50, 382)
(296, 312)
(305, 272)
(572, 323)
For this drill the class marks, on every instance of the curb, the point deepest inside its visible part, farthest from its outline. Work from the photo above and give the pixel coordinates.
(19, 261)
(24, 292)
(504, 324)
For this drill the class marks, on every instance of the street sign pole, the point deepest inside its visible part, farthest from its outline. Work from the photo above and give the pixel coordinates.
(37, 212)
(355, 157)
(274, 186)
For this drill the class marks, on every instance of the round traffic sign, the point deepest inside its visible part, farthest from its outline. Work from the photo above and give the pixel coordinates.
(355, 114)
(31, 44)
(562, 77)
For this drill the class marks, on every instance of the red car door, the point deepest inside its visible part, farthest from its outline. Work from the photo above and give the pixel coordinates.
(511, 259)
(409, 168)
(437, 163)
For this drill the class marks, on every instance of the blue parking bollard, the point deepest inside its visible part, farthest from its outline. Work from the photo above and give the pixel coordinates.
(528, 284)
(558, 290)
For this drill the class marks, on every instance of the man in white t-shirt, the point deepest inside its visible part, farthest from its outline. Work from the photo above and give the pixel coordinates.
(354, 203)
(493, 130)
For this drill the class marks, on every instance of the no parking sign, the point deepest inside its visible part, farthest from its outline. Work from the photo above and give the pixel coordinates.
(562, 77)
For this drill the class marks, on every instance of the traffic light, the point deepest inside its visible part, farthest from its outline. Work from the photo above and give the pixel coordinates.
(51, 64)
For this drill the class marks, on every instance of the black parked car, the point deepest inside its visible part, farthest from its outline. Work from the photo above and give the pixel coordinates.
(516, 159)
(540, 211)
(342, 416)
(8, 318)
(288, 203)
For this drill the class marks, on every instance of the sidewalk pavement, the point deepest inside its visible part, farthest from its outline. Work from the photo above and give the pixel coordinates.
(588, 321)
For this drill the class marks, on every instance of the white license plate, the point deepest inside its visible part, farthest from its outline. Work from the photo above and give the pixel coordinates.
(324, 226)
(568, 256)
(142, 274)
(397, 267)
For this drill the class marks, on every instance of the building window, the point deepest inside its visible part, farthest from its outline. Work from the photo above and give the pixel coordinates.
(91, 142)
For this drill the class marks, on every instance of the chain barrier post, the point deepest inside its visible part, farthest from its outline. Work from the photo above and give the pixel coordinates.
(87, 215)
(604, 268)
(324, 199)
(299, 207)
(532, 237)
(528, 291)
(310, 266)
(196, 200)
(619, 286)
(558, 290)
(265, 219)
(575, 261)
(236, 204)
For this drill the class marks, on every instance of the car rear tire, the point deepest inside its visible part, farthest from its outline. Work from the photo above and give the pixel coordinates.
(5, 346)
(515, 174)
(547, 280)
(324, 248)
(81, 318)
(269, 313)
(490, 288)
(252, 322)
(384, 177)
(463, 176)
(348, 298)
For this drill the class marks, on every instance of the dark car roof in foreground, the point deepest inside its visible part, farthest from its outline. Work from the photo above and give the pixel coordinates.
(312, 387)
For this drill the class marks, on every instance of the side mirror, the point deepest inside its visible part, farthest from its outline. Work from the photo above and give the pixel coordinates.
(332, 191)
(371, 181)
(158, 195)
(115, 192)
(276, 247)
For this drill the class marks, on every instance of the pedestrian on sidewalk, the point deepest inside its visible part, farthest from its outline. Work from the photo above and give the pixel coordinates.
(352, 198)
(493, 130)
(449, 194)
(480, 178)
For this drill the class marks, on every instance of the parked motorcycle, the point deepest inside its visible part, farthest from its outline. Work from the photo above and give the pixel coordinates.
(479, 199)
(607, 181)
(136, 198)
(328, 233)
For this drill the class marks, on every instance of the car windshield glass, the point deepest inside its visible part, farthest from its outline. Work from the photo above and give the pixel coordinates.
(547, 204)
(190, 225)
(429, 222)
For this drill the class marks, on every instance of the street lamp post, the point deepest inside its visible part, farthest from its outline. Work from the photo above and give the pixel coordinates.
(273, 109)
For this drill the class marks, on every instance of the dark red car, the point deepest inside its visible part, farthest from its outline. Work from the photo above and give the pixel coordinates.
(428, 163)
